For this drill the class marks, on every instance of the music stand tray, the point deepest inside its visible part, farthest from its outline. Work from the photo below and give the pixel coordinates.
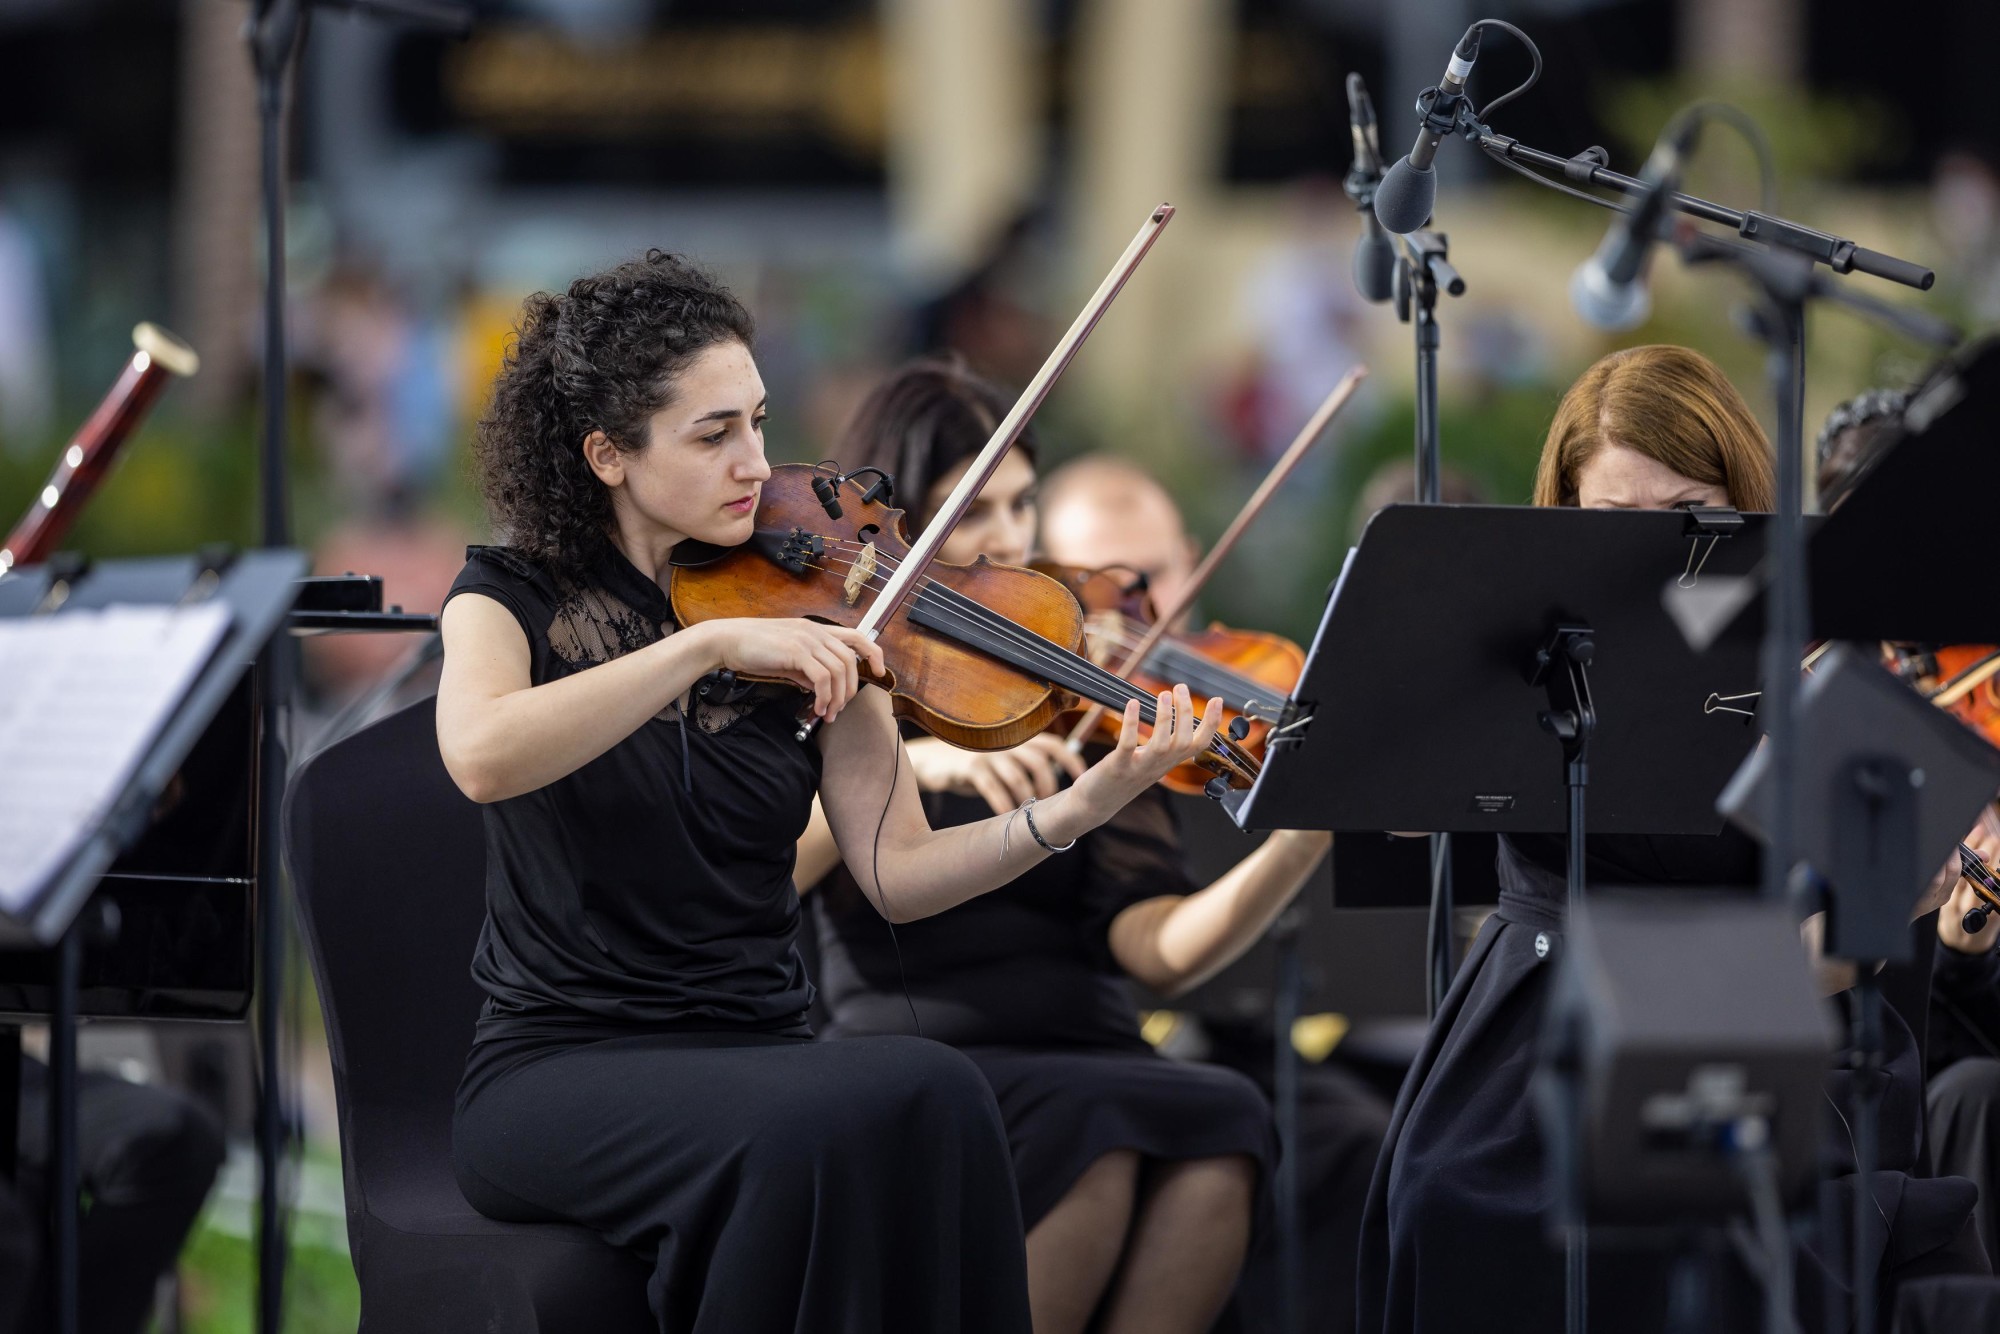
(1418, 707)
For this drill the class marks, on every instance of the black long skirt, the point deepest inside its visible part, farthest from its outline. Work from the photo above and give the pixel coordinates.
(1064, 1108)
(774, 1183)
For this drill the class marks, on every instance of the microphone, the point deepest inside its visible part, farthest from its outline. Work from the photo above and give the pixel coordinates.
(828, 491)
(1374, 253)
(1404, 199)
(1609, 289)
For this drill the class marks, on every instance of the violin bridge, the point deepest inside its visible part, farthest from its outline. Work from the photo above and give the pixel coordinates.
(860, 573)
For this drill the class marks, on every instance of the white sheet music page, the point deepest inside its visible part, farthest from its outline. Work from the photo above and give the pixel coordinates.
(82, 695)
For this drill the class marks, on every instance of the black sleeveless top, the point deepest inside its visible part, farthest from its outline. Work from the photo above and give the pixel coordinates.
(1029, 964)
(652, 888)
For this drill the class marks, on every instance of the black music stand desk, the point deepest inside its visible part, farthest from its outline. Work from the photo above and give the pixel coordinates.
(1419, 708)
(257, 586)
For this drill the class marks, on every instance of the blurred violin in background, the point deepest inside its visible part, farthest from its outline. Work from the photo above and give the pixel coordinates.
(1961, 679)
(1252, 672)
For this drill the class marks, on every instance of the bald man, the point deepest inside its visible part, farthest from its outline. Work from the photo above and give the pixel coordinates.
(1101, 512)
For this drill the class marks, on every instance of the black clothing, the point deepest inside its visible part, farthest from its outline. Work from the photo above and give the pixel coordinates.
(782, 1184)
(1024, 982)
(1342, 1122)
(1964, 1093)
(1027, 965)
(20, 1257)
(1965, 1008)
(1455, 1227)
(1964, 1105)
(146, 1157)
(653, 885)
(642, 1065)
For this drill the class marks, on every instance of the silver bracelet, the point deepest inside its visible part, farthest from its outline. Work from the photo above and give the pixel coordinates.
(1029, 811)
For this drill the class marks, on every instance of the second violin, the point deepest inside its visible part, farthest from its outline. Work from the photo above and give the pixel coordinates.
(1252, 672)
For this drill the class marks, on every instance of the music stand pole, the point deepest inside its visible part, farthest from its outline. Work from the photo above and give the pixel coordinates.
(1286, 938)
(1423, 269)
(275, 34)
(63, 1171)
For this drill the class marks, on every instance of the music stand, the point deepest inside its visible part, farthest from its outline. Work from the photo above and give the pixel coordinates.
(1431, 719)
(1866, 584)
(257, 587)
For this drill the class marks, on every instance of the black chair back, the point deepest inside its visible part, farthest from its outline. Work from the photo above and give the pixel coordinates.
(388, 867)
(388, 864)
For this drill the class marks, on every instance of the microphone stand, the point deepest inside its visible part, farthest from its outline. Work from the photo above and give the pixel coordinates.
(1785, 283)
(276, 34)
(1422, 269)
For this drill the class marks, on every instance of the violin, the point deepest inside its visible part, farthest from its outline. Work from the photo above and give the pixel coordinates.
(1251, 671)
(1973, 868)
(1961, 679)
(982, 656)
(1262, 695)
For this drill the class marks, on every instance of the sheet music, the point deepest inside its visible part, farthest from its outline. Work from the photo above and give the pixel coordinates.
(82, 695)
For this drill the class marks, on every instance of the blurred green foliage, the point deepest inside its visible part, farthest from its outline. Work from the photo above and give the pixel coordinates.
(219, 1287)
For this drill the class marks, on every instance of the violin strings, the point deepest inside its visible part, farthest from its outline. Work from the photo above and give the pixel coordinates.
(1045, 651)
(1196, 671)
(970, 614)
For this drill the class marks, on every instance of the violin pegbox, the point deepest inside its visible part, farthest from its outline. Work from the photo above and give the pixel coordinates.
(800, 550)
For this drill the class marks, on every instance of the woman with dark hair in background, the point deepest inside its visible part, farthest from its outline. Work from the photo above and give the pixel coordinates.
(1138, 1175)
(642, 1065)
(1457, 1233)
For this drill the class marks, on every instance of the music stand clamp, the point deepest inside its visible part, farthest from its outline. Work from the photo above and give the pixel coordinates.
(1562, 669)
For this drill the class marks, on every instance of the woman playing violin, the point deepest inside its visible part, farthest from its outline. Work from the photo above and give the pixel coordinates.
(1138, 1176)
(642, 1065)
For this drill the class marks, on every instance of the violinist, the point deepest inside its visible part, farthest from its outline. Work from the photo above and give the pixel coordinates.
(1456, 1233)
(1139, 1176)
(642, 1065)
(1962, 1051)
(1105, 512)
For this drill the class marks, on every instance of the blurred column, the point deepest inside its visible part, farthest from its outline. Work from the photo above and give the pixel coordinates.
(215, 242)
(1744, 41)
(964, 134)
(1150, 88)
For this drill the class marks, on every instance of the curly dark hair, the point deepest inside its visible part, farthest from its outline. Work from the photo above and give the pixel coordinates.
(602, 356)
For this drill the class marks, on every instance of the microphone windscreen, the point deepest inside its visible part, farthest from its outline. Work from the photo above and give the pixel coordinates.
(1404, 199)
(1603, 304)
(1375, 265)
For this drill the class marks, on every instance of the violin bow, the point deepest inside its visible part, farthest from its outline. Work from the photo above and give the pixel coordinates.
(924, 550)
(1169, 615)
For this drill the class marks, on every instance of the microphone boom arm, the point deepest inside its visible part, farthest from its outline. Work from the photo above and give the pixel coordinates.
(1837, 253)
